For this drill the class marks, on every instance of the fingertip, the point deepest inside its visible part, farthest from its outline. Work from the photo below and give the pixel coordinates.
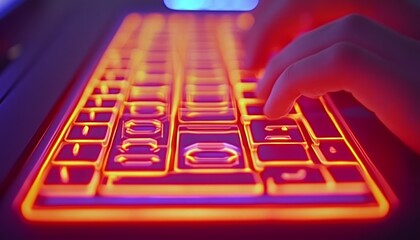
(275, 110)
(270, 110)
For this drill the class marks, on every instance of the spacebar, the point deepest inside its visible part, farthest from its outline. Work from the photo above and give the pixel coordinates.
(186, 184)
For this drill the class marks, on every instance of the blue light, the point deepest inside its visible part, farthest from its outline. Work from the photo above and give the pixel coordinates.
(6, 6)
(211, 5)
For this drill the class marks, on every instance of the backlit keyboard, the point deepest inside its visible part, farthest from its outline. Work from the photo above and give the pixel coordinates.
(168, 128)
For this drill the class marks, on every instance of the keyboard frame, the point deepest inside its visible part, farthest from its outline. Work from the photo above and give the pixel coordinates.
(249, 212)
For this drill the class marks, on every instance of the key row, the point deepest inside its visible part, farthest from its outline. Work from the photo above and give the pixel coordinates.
(317, 183)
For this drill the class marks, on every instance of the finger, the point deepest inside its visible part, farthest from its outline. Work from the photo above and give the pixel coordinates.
(333, 69)
(354, 29)
(274, 26)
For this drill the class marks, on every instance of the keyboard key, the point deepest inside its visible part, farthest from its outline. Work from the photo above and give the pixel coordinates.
(310, 182)
(115, 75)
(207, 96)
(201, 148)
(335, 150)
(245, 91)
(320, 122)
(206, 73)
(283, 130)
(116, 63)
(346, 174)
(146, 128)
(211, 155)
(70, 175)
(87, 132)
(100, 102)
(249, 94)
(207, 114)
(83, 152)
(275, 154)
(297, 181)
(285, 175)
(255, 108)
(142, 78)
(145, 110)
(106, 90)
(186, 185)
(70, 181)
(94, 116)
(138, 162)
(149, 93)
(206, 81)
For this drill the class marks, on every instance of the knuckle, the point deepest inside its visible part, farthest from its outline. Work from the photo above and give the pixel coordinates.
(289, 72)
(348, 26)
(354, 21)
(343, 52)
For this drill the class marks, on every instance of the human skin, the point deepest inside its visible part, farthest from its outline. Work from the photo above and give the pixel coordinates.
(354, 53)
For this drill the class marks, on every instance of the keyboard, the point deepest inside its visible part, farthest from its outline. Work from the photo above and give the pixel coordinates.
(167, 128)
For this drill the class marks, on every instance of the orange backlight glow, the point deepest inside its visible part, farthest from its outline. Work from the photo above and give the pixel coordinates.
(168, 128)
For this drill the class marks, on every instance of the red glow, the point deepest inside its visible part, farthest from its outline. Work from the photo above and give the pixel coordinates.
(167, 129)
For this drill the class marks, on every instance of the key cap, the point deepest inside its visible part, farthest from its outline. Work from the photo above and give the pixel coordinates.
(309, 182)
(281, 153)
(211, 155)
(318, 119)
(255, 108)
(206, 73)
(79, 152)
(249, 79)
(142, 78)
(115, 75)
(249, 94)
(343, 174)
(245, 91)
(203, 115)
(298, 181)
(149, 93)
(335, 150)
(283, 130)
(293, 174)
(157, 129)
(137, 160)
(348, 180)
(145, 110)
(210, 148)
(70, 181)
(87, 132)
(106, 90)
(117, 63)
(101, 101)
(70, 175)
(86, 116)
(186, 185)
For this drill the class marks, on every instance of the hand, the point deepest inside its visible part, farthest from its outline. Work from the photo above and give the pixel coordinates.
(377, 65)
(277, 22)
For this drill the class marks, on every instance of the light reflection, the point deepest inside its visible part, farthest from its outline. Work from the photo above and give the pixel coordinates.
(211, 5)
